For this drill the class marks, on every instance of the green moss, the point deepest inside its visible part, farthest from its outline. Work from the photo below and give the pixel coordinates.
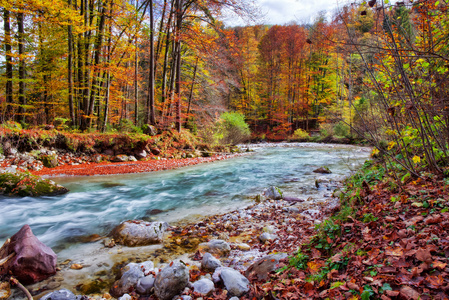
(25, 184)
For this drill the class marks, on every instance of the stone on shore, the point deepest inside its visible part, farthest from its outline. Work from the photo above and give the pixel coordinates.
(203, 286)
(264, 237)
(140, 154)
(120, 158)
(132, 273)
(139, 233)
(217, 247)
(171, 281)
(62, 294)
(261, 268)
(126, 283)
(273, 193)
(145, 285)
(33, 261)
(236, 284)
(209, 262)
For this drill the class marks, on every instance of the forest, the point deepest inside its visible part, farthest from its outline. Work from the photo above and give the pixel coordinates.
(375, 70)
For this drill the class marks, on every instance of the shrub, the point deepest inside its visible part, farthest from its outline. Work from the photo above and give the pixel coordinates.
(341, 129)
(300, 134)
(232, 128)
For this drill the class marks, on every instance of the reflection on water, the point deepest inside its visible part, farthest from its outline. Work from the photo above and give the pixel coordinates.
(96, 204)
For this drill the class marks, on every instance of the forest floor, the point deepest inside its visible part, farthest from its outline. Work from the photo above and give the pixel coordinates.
(384, 242)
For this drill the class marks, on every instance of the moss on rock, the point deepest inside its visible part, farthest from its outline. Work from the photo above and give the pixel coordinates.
(26, 184)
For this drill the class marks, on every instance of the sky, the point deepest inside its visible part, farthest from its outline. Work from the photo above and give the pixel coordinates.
(302, 11)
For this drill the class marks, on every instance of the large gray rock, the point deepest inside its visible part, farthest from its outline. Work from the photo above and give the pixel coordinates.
(209, 262)
(62, 294)
(218, 247)
(273, 193)
(261, 268)
(139, 233)
(203, 286)
(236, 284)
(33, 261)
(171, 281)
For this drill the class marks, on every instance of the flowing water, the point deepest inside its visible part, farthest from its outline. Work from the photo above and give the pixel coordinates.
(96, 204)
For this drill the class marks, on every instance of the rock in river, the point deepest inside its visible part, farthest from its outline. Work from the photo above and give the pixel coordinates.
(273, 193)
(139, 233)
(33, 261)
(171, 281)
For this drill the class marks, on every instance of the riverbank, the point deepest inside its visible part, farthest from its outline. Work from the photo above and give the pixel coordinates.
(92, 169)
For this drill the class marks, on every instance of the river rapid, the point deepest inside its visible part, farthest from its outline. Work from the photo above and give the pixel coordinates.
(96, 204)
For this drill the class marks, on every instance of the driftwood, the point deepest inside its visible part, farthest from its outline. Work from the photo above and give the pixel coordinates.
(15, 282)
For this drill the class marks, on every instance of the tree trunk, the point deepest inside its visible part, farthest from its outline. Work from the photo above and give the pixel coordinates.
(98, 44)
(20, 35)
(70, 70)
(178, 63)
(165, 69)
(150, 114)
(80, 73)
(8, 60)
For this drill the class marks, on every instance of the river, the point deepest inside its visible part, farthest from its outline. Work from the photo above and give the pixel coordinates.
(96, 204)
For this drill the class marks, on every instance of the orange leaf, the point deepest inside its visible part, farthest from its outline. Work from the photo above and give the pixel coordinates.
(440, 265)
(394, 252)
(314, 266)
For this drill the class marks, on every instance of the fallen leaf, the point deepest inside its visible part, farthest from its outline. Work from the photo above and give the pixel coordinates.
(409, 293)
(424, 255)
(392, 293)
(439, 265)
(434, 219)
(435, 282)
(394, 252)
(353, 286)
(314, 266)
